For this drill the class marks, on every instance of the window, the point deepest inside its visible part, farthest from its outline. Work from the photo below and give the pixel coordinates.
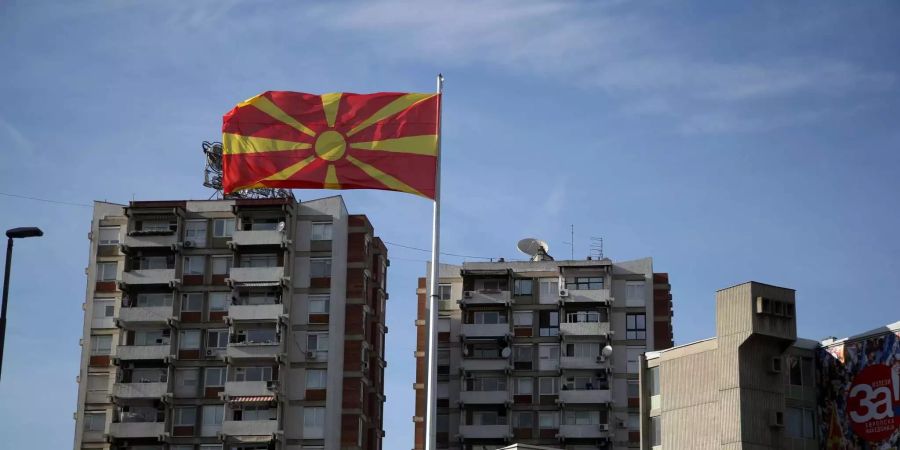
(192, 302)
(153, 263)
(189, 340)
(214, 377)
(148, 300)
(582, 349)
(185, 416)
(796, 371)
(317, 343)
(491, 285)
(581, 417)
(108, 236)
(320, 267)
(223, 228)
(548, 386)
(548, 420)
(523, 287)
(107, 271)
(256, 336)
(523, 319)
(313, 422)
(800, 423)
(194, 265)
(259, 260)
(195, 233)
(633, 389)
(263, 373)
(523, 357)
(212, 416)
(318, 304)
(101, 345)
(549, 290)
(103, 308)
(523, 419)
(443, 423)
(524, 386)
(584, 283)
(489, 317)
(634, 422)
(489, 417)
(157, 226)
(548, 356)
(485, 384)
(579, 383)
(587, 316)
(221, 265)
(443, 362)
(655, 431)
(255, 412)
(634, 293)
(635, 326)
(216, 339)
(653, 380)
(549, 323)
(444, 291)
(218, 301)
(95, 421)
(321, 231)
(315, 378)
(633, 361)
(187, 379)
(97, 383)
(151, 337)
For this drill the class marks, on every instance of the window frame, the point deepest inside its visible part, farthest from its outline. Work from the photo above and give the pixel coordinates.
(225, 231)
(109, 242)
(635, 326)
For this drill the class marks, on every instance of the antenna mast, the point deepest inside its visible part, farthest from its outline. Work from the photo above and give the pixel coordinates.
(597, 247)
(212, 177)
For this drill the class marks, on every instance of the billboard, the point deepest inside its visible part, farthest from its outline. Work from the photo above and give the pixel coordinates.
(858, 386)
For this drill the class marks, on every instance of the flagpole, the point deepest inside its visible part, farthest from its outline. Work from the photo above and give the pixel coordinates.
(432, 304)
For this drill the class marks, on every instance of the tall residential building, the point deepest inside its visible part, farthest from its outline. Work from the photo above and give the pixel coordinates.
(757, 386)
(541, 352)
(232, 324)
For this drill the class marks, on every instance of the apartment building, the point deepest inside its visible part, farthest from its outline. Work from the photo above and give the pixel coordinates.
(241, 324)
(757, 386)
(541, 353)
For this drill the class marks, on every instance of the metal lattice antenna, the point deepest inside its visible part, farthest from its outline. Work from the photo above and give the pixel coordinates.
(597, 247)
(212, 177)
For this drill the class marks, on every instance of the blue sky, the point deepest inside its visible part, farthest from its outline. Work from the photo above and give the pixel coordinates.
(730, 141)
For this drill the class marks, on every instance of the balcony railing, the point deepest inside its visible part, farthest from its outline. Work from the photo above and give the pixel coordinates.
(255, 312)
(257, 237)
(256, 274)
(484, 397)
(584, 328)
(601, 296)
(485, 298)
(128, 430)
(583, 431)
(140, 390)
(136, 352)
(138, 315)
(483, 431)
(149, 276)
(249, 427)
(243, 351)
(578, 396)
(485, 330)
(248, 388)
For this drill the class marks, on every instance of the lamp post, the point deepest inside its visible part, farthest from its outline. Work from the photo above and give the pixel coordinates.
(13, 233)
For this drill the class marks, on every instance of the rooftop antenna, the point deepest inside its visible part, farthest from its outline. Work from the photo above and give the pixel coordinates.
(597, 247)
(212, 177)
(571, 241)
(535, 248)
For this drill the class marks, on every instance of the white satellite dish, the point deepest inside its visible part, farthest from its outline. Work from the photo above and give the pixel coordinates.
(531, 246)
(505, 352)
(606, 351)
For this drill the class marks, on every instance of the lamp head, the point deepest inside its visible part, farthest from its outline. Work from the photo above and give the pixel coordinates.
(24, 232)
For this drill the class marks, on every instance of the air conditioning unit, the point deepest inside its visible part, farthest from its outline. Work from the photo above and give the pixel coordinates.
(467, 294)
(776, 364)
(604, 427)
(188, 244)
(563, 292)
(776, 419)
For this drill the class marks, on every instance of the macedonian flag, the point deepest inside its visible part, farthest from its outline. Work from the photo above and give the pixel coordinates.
(289, 140)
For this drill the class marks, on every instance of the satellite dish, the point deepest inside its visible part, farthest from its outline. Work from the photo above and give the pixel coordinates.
(505, 352)
(465, 351)
(606, 351)
(535, 248)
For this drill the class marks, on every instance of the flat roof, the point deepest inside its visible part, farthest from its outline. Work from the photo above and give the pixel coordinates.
(755, 282)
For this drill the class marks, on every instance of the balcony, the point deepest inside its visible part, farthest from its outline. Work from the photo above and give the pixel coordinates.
(473, 330)
(585, 396)
(149, 276)
(258, 313)
(248, 388)
(483, 397)
(258, 237)
(583, 431)
(244, 275)
(250, 351)
(601, 296)
(249, 427)
(145, 315)
(484, 431)
(142, 352)
(572, 362)
(584, 329)
(140, 390)
(131, 430)
(150, 241)
(485, 298)
(477, 364)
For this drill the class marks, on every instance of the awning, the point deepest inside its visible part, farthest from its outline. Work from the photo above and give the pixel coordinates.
(252, 399)
(256, 283)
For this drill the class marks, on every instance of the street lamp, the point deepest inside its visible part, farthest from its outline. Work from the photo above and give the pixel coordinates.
(13, 233)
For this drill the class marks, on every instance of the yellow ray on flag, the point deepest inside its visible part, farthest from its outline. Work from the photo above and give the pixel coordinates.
(287, 172)
(330, 103)
(265, 105)
(236, 143)
(389, 110)
(331, 179)
(382, 177)
(415, 145)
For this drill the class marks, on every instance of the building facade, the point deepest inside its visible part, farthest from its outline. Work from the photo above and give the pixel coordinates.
(756, 385)
(232, 324)
(541, 352)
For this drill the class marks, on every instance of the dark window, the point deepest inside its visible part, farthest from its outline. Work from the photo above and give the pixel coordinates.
(796, 371)
(584, 283)
(524, 287)
(549, 323)
(635, 326)
(444, 291)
